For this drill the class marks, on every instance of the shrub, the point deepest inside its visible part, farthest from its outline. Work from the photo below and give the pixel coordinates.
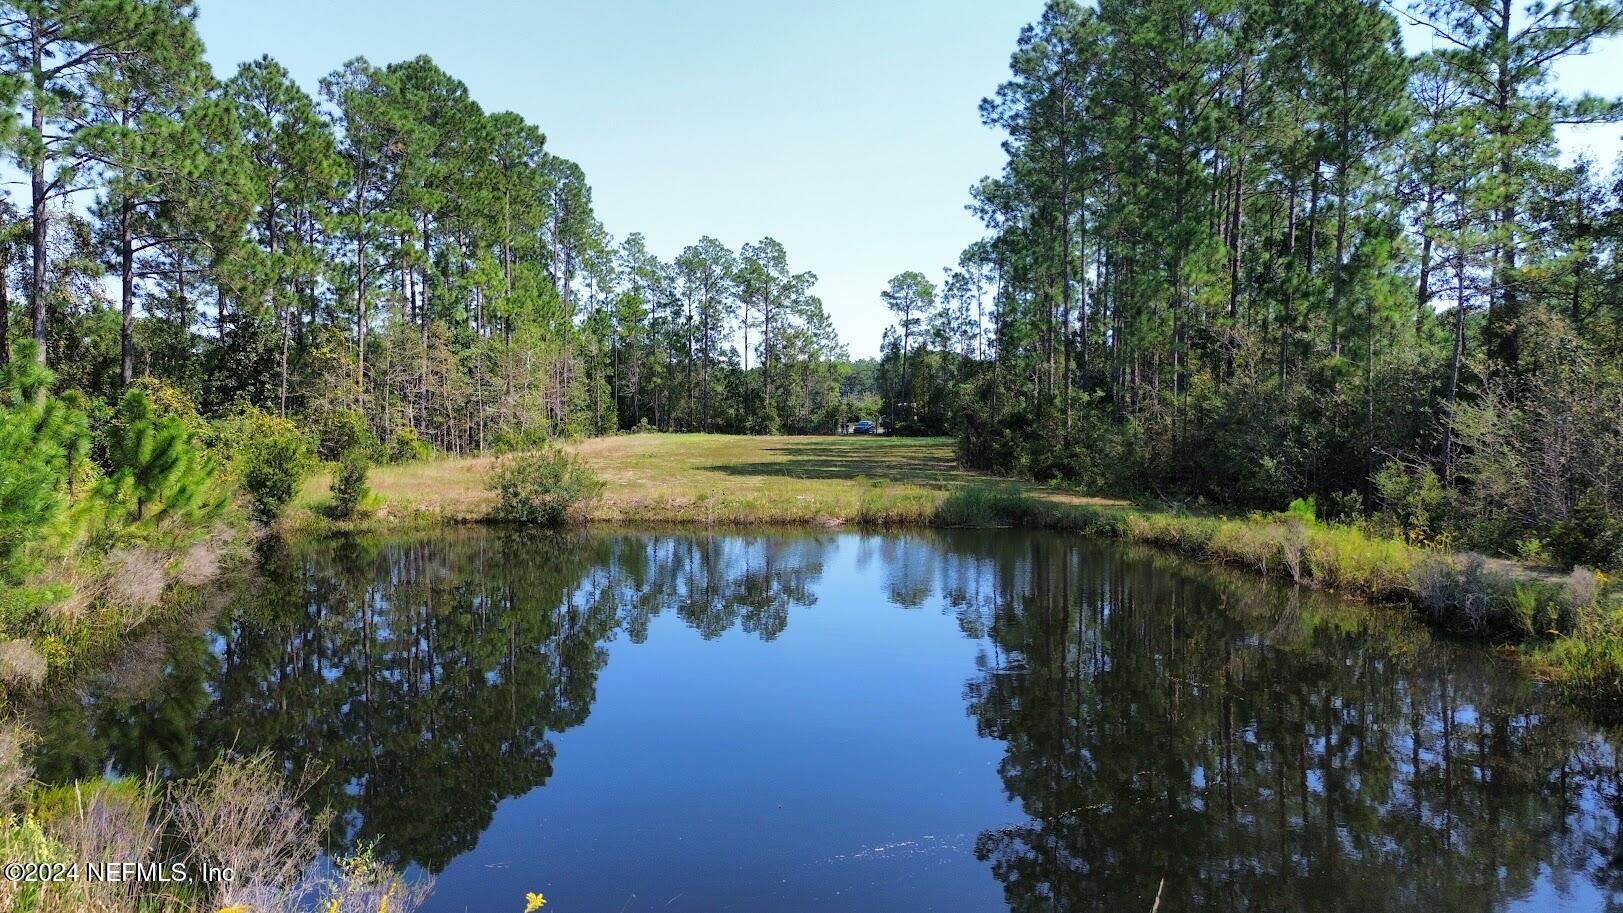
(1343, 507)
(1588, 666)
(1532, 550)
(241, 815)
(549, 486)
(986, 504)
(272, 458)
(21, 666)
(170, 401)
(1304, 509)
(1591, 536)
(1414, 500)
(349, 485)
(41, 437)
(363, 884)
(1453, 592)
(14, 771)
(407, 447)
(341, 431)
(520, 439)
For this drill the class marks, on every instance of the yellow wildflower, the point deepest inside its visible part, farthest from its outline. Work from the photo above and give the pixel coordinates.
(234, 908)
(383, 905)
(533, 902)
(332, 905)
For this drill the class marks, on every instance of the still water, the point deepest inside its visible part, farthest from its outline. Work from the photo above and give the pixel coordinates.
(840, 721)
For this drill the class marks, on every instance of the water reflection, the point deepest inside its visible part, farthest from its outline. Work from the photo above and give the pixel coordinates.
(1230, 746)
(1167, 730)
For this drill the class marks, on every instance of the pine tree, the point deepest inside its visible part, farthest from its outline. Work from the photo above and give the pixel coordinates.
(155, 470)
(41, 437)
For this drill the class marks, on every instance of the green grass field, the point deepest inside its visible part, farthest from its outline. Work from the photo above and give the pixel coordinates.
(711, 478)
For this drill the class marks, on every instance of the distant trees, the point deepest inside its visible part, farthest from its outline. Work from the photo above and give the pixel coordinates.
(388, 249)
(1250, 250)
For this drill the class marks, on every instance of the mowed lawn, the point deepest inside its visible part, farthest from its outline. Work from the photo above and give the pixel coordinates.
(710, 478)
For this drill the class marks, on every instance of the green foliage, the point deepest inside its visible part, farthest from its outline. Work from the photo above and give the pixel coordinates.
(168, 401)
(1588, 668)
(407, 447)
(1343, 507)
(529, 437)
(1592, 536)
(342, 431)
(1304, 509)
(156, 470)
(1533, 550)
(271, 458)
(349, 485)
(548, 487)
(988, 505)
(1413, 501)
(41, 435)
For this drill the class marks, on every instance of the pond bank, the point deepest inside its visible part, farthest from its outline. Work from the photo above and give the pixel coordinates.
(1563, 626)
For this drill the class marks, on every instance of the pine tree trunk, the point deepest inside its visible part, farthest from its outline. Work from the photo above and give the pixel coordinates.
(5, 305)
(360, 282)
(126, 293)
(1455, 358)
(39, 189)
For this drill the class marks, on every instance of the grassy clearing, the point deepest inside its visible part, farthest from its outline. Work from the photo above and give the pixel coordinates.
(703, 478)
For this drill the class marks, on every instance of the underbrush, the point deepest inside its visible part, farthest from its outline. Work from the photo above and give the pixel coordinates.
(81, 606)
(239, 817)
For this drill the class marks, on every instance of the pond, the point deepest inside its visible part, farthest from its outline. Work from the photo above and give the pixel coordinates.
(965, 721)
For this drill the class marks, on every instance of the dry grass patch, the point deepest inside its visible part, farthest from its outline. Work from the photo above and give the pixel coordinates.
(22, 668)
(135, 579)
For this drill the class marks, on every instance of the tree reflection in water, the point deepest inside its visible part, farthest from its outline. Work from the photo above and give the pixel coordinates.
(1230, 746)
(422, 677)
(1168, 729)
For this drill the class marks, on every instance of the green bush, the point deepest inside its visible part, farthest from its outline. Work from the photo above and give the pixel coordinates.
(549, 486)
(271, 459)
(1591, 537)
(41, 437)
(342, 431)
(349, 485)
(1414, 501)
(988, 504)
(407, 447)
(520, 439)
(1304, 509)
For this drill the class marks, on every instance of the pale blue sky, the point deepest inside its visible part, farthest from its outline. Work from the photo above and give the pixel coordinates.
(847, 129)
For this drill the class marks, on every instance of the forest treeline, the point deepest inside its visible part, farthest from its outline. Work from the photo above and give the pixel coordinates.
(1252, 251)
(1247, 251)
(385, 249)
